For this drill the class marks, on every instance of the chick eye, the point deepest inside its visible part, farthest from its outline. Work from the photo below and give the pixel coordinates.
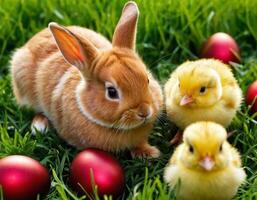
(112, 92)
(202, 90)
(221, 147)
(191, 149)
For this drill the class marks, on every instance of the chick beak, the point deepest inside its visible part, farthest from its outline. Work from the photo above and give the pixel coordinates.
(207, 163)
(186, 99)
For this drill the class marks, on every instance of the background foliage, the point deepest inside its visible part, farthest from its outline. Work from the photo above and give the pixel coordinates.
(169, 32)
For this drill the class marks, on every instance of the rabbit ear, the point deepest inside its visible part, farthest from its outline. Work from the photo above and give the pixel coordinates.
(78, 52)
(125, 32)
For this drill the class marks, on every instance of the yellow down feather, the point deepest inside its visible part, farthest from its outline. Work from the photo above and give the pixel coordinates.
(213, 91)
(205, 166)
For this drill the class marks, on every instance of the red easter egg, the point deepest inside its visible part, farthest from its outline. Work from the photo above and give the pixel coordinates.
(23, 178)
(250, 96)
(93, 166)
(221, 46)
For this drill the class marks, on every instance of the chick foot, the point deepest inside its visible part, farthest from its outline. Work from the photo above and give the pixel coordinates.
(231, 133)
(145, 150)
(177, 138)
(40, 124)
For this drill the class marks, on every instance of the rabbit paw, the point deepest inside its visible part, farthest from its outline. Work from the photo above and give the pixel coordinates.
(40, 124)
(145, 151)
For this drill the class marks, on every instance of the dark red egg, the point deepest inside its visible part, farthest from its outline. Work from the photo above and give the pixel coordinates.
(99, 168)
(251, 94)
(23, 178)
(221, 46)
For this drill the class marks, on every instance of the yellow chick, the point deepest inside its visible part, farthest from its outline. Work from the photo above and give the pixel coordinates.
(202, 90)
(205, 166)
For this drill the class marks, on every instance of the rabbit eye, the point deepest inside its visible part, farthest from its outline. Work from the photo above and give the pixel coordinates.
(202, 90)
(112, 93)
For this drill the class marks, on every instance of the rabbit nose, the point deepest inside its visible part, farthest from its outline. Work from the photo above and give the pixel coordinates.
(144, 111)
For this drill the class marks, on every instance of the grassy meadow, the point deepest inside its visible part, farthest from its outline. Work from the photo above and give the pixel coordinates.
(169, 33)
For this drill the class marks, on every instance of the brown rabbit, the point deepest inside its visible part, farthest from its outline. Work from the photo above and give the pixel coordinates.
(96, 94)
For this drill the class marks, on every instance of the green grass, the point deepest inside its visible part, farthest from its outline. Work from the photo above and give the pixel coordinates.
(169, 32)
